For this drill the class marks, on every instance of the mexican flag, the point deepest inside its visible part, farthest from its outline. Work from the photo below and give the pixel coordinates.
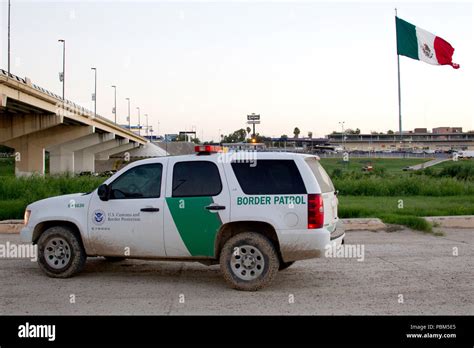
(421, 45)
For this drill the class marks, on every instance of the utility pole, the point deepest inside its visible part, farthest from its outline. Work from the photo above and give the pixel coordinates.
(62, 77)
(399, 89)
(342, 133)
(128, 118)
(146, 115)
(138, 120)
(9, 6)
(95, 91)
(115, 102)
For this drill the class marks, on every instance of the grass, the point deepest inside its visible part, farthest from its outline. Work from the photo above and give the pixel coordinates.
(445, 189)
(389, 165)
(413, 222)
(406, 211)
(17, 193)
(407, 185)
(358, 206)
(7, 166)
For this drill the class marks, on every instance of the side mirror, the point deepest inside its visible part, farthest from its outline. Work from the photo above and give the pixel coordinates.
(103, 192)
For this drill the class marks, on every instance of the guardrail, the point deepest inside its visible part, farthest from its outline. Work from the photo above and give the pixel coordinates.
(66, 102)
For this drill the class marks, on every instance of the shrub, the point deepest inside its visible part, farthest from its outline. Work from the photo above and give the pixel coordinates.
(413, 222)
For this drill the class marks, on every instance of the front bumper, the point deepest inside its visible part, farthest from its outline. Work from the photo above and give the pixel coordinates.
(26, 235)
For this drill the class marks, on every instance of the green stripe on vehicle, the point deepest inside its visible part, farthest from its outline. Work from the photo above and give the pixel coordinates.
(196, 225)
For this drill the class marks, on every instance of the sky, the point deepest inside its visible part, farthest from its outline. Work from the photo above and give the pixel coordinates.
(206, 65)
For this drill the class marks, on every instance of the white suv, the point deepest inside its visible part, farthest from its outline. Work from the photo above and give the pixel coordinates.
(254, 216)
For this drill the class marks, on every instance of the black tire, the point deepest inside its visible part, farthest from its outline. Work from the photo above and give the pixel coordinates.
(263, 261)
(114, 258)
(285, 265)
(72, 252)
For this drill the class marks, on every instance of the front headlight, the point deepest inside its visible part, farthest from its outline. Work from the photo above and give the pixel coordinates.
(27, 217)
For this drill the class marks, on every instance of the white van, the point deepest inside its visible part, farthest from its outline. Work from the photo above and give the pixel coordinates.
(253, 214)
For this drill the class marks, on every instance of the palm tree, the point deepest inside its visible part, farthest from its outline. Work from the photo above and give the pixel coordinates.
(296, 132)
(310, 135)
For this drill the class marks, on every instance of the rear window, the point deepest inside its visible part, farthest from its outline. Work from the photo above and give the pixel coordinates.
(322, 177)
(269, 177)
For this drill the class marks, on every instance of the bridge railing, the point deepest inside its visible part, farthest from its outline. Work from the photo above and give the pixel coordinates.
(59, 98)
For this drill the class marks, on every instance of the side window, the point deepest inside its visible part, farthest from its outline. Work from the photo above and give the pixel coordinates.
(269, 177)
(196, 178)
(138, 182)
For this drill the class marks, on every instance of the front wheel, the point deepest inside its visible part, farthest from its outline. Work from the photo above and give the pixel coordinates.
(60, 252)
(249, 261)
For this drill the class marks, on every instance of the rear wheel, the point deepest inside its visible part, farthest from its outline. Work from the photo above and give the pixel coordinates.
(60, 252)
(249, 261)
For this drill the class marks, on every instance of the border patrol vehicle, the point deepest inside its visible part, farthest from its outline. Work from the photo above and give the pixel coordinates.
(254, 213)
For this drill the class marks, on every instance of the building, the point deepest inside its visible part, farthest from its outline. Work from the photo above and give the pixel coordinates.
(447, 130)
(440, 139)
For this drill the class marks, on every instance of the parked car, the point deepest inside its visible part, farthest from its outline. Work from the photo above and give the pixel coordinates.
(251, 217)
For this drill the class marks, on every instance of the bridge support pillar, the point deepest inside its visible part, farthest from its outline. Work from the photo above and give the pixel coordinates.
(30, 149)
(85, 159)
(70, 157)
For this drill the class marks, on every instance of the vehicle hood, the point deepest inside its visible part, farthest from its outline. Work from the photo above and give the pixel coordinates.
(58, 201)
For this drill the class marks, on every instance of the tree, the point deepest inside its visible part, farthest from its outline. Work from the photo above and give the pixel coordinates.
(296, 132)
(349, 131)
(357, 131)
(249, 130)
(237, 136)
(391, 132)
(310, 135)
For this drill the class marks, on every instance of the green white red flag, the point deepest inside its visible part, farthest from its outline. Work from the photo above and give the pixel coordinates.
(419, 44)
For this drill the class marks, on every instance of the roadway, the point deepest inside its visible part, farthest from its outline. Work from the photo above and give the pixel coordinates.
(419, 267)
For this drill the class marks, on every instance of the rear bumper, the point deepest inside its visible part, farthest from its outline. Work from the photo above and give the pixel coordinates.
(307, 244)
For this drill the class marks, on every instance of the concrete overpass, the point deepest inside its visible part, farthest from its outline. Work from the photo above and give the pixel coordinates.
(34, 120)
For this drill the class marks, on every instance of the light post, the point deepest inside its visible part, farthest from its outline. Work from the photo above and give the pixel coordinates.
(115, 103)
(95, 91)
(128, 118)
(62, 77)
(342, 133)
(138, 120)
(146, 115)
(9, 5)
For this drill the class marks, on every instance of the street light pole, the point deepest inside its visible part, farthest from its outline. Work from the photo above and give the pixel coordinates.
(138, 120)
(95, 91)
(115, 102)
(342, 133)
(9, 5)
(64, 64)
(128, 118)
(146, 115)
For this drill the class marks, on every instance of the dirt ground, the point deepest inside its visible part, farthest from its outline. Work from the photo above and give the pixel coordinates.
(403, 272)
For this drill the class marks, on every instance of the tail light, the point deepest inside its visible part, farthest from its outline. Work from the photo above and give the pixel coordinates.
(315, 211)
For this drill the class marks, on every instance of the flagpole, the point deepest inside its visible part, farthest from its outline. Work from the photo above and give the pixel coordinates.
(399, 89)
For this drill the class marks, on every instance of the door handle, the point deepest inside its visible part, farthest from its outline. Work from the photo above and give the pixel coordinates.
(215, 207)
(150, 209)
